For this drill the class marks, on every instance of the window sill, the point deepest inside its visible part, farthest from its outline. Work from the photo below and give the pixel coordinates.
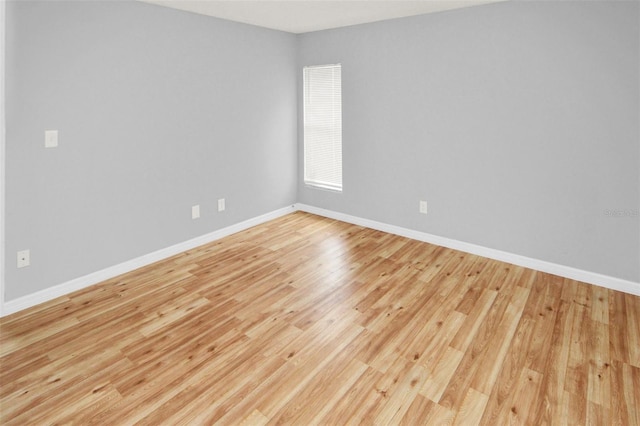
(323, 187)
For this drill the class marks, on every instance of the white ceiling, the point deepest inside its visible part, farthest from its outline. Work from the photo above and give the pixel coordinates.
(301, 16)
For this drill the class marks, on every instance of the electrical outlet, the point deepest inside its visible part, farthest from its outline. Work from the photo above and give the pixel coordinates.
(24, 258)
(195, 211)
(423, 207)
(221, 205)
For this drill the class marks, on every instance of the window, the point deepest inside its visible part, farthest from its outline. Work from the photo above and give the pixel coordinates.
(323, 126)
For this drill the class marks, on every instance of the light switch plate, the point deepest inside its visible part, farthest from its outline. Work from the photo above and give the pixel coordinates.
(195, 212)
(50, 138)
(221, 205)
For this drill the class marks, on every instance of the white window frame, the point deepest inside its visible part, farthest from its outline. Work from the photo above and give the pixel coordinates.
(325, 138)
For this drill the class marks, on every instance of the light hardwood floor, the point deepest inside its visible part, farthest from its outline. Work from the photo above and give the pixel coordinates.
(306, 320)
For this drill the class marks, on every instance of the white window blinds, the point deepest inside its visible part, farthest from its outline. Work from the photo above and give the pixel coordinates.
(323, 126)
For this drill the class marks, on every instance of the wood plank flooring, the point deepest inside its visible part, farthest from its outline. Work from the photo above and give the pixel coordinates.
(306, 320)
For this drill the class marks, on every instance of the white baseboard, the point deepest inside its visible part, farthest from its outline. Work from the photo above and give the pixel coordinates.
(48, 294)
(539, 265)
(51, 293)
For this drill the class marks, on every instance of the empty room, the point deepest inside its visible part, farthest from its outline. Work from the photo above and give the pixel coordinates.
(315, 212)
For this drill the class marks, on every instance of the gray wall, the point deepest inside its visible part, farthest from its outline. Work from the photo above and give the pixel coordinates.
(517, 122)
(157, 110)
